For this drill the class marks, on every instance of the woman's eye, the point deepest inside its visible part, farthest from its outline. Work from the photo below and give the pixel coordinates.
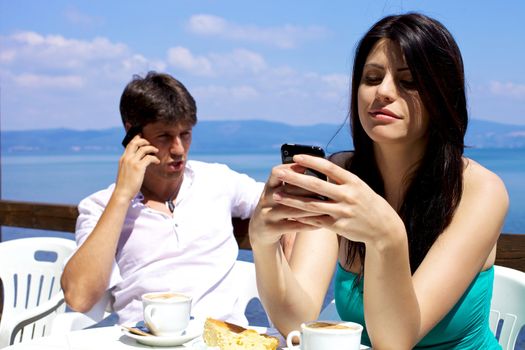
(408, 84)
(372, 79)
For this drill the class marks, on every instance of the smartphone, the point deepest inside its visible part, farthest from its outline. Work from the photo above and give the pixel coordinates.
(132, 132)
(288, 150)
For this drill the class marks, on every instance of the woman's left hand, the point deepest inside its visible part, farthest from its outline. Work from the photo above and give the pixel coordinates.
(353, 210)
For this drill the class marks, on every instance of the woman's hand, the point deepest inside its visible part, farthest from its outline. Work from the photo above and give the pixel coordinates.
(137, 156)
(353, 210)
(271, 220)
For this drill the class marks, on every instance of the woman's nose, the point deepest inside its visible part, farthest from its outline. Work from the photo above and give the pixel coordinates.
(386, 90)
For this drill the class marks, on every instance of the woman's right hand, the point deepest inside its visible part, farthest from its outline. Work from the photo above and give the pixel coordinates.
(137, 156)
(270, 220)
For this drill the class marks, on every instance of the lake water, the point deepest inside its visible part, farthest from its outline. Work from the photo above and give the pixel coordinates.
(68, 179)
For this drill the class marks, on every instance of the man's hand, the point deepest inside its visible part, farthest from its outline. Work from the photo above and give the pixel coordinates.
(137, 156)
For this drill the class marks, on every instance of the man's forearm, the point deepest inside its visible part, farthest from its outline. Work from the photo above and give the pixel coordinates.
(86, 275)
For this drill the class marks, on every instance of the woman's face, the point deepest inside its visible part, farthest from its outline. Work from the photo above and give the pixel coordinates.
(389, 106)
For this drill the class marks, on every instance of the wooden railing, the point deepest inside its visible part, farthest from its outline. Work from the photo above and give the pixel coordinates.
(62, 217)
(59, 217)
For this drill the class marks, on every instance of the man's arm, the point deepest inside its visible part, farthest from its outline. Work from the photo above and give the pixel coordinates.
(86, 275)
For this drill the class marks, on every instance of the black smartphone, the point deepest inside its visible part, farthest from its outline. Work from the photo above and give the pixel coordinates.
(131, 133)
(288, 150)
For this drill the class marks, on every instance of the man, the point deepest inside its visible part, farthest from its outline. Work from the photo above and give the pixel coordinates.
(166, 222)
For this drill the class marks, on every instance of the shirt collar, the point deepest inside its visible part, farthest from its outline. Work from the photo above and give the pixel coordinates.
(187, 181)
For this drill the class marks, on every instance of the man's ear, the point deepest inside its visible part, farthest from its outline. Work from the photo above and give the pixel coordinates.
(127, 126)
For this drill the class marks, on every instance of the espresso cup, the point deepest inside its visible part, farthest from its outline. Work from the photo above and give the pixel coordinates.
(166, 313)
(324, 335)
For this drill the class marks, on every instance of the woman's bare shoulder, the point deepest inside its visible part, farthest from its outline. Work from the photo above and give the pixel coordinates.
(478, 180)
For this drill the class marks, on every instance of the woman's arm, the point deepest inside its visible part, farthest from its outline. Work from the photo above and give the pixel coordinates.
(466, 247)
(399, 308)
(291, 291)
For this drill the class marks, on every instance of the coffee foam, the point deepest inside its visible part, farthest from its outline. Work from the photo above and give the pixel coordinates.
(329, 325)
(165, 296)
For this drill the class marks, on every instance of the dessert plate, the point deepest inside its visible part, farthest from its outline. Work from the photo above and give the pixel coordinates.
(193, 331)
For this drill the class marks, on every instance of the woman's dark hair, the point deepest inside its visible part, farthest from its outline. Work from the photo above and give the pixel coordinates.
(156, 97)
(434, 186)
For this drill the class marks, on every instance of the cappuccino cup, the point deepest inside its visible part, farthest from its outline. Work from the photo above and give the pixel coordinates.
(325, 335)
(166, 313)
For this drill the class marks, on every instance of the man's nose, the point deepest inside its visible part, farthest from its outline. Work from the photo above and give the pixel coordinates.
(177, 146)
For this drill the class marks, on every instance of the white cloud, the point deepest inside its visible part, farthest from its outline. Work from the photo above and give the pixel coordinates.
(56, 51)
(77, 17)
(7, 56)
(239, 60)
(54, 81)
(218, 93)
(235, 62)
(33, 53)
(48, 81)
(66, 82)
(182, 58)
(207, 25)
(286, 36)
(508, 89)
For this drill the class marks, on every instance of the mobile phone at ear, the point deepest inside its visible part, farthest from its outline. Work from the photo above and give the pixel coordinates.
(130, 134)
(288, 150)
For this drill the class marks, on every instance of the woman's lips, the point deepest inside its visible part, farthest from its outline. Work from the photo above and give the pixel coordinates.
(383, 113)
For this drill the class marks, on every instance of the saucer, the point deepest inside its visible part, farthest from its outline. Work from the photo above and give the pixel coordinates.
(193, 331)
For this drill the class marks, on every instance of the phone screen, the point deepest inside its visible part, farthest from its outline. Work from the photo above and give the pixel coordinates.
(131, 133)
(288, 150)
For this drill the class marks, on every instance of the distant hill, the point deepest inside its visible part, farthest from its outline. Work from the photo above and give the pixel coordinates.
(248, 136)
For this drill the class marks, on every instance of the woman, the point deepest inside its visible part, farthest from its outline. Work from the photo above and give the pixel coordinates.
(410, 224)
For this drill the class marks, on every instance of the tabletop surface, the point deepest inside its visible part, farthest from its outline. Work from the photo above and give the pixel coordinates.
(114, 337)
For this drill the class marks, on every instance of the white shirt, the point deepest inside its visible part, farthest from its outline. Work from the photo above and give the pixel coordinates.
(190, 252)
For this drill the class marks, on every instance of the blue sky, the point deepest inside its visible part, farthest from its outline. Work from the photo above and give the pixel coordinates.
(65, 63)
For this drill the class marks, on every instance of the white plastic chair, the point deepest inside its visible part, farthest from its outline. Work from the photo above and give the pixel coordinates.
(329, 313)
(247, 288)
(247, 284)
(507, 309)
(30, 270)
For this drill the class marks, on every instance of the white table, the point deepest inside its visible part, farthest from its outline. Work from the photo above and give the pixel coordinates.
(104, 338)
(110, 338)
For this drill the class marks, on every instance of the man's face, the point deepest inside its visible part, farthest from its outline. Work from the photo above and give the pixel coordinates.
(173, 141)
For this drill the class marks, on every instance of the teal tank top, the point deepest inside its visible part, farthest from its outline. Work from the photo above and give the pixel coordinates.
(466, 326)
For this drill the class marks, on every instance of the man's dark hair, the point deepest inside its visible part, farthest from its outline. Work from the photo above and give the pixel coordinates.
(156, 97)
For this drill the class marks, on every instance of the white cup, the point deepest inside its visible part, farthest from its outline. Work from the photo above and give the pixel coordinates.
(166, 313)
(326, 335)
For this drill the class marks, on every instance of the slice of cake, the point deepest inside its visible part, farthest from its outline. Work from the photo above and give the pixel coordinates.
(228, 336)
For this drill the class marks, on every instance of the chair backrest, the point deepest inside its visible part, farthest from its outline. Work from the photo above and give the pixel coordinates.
(329, 313)
(247, 291)
(30, 270)
(507, 309)
(247, 287)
